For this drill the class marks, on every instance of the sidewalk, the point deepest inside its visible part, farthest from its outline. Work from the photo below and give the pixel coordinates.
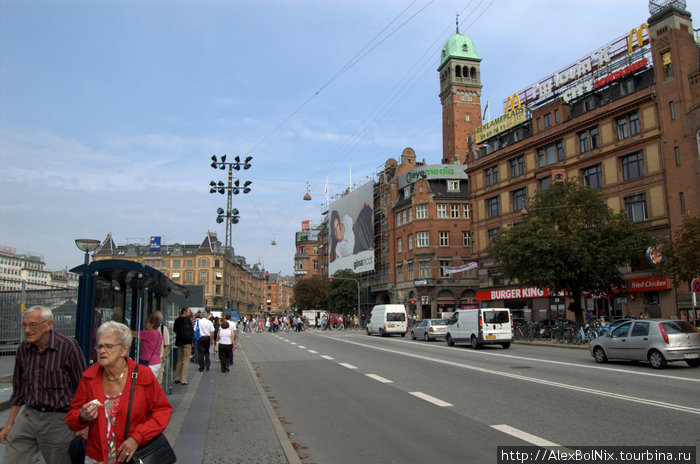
(217, 418)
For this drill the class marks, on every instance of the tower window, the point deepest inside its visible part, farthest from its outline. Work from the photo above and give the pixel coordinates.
(458, 71)
(472, 73)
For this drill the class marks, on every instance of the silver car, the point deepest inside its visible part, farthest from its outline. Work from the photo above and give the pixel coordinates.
(429, 329)
(658, 341)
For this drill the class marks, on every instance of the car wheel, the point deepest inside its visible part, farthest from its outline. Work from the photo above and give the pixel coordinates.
(505, 345)
(426, 337)
(599, 355)
(382, 332)
(403, 334)
(368, 332)
(450, 342)
(475, 344)
(413, 336)
(657, 360)
(693, 362)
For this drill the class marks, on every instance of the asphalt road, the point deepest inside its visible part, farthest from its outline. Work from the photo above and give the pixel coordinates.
(347, 397)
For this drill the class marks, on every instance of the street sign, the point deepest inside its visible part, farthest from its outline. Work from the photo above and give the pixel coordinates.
(695, 286)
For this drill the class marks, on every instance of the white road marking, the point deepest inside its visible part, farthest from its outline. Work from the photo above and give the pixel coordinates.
(431, 399)
(512, 431)
(312, 351)
(378, 378)
(327, 357)
(349, 366)
(592, 391)
(302, 347)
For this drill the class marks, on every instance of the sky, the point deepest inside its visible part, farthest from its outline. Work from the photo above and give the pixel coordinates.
(110, 111)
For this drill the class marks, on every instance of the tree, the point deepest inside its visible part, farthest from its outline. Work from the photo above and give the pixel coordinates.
(681, 258)
(342, 291)
(309, 294)
(570, 242)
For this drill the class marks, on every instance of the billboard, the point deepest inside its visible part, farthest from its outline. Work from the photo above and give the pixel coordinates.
(351, 231)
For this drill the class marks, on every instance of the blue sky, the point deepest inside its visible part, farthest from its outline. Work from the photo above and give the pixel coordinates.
(111, 110)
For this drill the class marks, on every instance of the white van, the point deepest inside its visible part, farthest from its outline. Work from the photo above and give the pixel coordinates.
(480, 326)
(388, 319)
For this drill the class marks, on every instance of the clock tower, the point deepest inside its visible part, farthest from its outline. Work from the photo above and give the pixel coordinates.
(460, 94)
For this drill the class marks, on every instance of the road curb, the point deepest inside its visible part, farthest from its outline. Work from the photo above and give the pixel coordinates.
(555, 345)
(286, 444)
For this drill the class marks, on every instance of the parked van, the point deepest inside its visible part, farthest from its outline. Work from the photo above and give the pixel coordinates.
(388, 319)
(480, 326)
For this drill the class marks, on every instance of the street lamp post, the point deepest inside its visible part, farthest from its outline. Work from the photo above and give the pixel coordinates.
(230, 215)
(87, 245)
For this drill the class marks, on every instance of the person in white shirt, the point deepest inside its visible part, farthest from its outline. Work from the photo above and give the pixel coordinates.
(226, 336)
(206, 329)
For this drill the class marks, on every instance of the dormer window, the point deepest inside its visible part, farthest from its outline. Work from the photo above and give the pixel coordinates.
(464, 48)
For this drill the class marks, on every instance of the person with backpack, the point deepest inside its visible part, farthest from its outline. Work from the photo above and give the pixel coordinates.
(184, 334)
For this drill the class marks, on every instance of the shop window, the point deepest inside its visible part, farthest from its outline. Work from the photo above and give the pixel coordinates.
(651, 298)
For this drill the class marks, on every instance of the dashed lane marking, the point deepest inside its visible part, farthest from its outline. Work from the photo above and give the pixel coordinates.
(431, 399)
(379, 378)
(528, 437)
(349, 366)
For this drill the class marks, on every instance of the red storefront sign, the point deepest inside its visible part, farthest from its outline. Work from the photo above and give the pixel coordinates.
(513, 293)
(648, 284)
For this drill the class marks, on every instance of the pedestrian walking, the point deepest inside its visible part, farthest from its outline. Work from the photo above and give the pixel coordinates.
(225, 338)
(165, 333)
(48, 367)
(206, 340)
(184, 334)
(151, 342)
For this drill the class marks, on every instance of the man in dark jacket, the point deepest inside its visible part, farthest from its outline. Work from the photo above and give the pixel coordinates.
(184, 334)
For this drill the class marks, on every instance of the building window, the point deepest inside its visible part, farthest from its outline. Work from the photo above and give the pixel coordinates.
(407, 193)
(410, 241)
(444, 264)
(517, 166)
(556, 116)
(409, 215)
(466, 239)
(633, 166)
(550, 154)
(399, 244)
(217, 263)
(315, 265)
(424, 269)
(454, 211)
(176, 263)
(421, 211)
(189, 263)
(667, 64)
(410, 270)
(441, 210)
(519, 199)
(539, 125)
(678, 156)
(202, 263)
(453, 186)
(175, 276)
(468, 208)
(444, 239)
(547, 120)
(189, 276)
(218, 289)
(592, 177)
(491, 175)
(301, 250)
(636, 206)
(422, 239)
(399, 272)
(398, 219)
(682, 197)
(588, 140)
(545, 182)
(628, 125)
(493, 207)
(203, 276)
(672, 108)
(495, 277)
(493, 233)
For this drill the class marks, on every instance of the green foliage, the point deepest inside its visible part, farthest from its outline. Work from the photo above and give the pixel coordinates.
(571, 241)
(342, 292)
(681, 258)
(309, 294)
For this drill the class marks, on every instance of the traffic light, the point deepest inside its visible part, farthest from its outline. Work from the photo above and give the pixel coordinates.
(330, 280)
(267, 276)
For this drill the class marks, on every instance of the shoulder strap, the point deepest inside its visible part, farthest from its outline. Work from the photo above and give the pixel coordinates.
(134, 375)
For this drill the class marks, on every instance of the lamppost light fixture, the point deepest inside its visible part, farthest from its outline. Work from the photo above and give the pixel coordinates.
(87, 245)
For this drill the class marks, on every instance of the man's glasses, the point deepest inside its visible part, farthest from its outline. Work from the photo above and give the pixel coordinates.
(107, 347)
(32, 325)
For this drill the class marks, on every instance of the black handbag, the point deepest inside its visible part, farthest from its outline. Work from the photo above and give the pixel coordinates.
(156, 451)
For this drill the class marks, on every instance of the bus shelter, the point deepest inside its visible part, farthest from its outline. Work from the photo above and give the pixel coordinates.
(126, 292)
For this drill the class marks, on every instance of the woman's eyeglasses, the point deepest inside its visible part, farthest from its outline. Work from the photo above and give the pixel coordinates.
(107, 347)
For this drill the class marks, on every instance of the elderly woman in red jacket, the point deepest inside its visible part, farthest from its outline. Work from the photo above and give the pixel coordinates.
(102, 400)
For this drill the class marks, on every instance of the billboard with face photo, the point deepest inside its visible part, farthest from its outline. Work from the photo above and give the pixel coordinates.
(351, 231)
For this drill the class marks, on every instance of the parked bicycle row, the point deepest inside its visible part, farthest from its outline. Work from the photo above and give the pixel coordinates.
(559, 331)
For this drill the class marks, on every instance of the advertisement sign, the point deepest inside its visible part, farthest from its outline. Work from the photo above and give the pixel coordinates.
(513, 294)
(155, 243)
(305, 225)
(307, 236)
(648, 284)
(433, 172)
(501, 123)
(464, 267)
(351, 231)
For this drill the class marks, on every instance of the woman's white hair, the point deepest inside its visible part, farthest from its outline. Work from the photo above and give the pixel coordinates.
(119, 330)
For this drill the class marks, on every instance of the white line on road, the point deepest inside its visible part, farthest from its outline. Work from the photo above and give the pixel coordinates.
(302, 347)
(293, 343)
(431, 399)
(512, 431)
(379, 378)
(324, 356)
(349, 366)
(592, 391)
(312, 351)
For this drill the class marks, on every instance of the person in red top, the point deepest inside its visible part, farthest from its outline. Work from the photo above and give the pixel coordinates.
(109, 383)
